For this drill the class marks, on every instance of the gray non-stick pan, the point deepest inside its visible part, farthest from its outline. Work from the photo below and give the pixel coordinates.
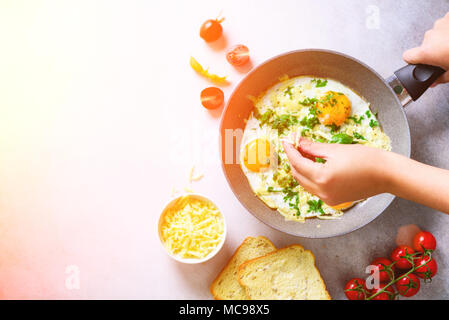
(387, 96)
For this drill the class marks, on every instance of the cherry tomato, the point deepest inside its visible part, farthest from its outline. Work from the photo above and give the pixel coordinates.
(428, 267)
(355, 289)
(238, 55)
(408, 286)
(399, 255)
(212, 97)
(385, 271)
(424, 239)
(388, 294)
(211, 30)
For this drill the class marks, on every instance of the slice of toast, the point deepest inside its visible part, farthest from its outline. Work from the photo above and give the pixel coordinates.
(226, 286)
(285, 274)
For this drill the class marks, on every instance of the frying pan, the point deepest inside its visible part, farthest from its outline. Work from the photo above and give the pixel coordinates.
(387, 96)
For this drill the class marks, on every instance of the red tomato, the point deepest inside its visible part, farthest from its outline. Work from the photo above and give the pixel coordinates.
(424, 240)
(386, 271)
(388, 294)
(355, 289)
(399, 255)
(408, 286)
(427, 267)
(212, 97)
(238, 55)
(211, 30)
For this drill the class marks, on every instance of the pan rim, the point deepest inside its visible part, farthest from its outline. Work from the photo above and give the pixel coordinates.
(390, 197)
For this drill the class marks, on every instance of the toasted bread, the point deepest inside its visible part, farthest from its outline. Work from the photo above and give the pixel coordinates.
(285, 274)
(226, 286)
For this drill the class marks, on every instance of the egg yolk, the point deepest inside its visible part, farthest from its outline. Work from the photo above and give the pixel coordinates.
(333, 108)
(257, 155)
(342, 206)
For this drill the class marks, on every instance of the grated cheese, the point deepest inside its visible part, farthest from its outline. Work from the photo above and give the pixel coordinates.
(192, 228)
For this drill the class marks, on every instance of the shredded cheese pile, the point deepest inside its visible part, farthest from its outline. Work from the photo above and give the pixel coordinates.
(192, 228)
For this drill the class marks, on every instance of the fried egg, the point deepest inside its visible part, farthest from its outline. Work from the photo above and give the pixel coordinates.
(322, 110)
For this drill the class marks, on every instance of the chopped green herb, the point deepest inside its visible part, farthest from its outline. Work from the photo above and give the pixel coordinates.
(308, 101)
(294, 200)
(287, 182)
(319, 139)
(289, 92)
(358, 121)
(319, 83)
(334, 127)
(315, 206)
(282, 122)
(320, 160)
(263, 118)
(342, 138)
(303, 132)
(309, 122)
(359, 136)
(373, 123)
(368, 113)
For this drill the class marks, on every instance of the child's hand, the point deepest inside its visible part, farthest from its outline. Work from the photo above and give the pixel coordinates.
(351, 172)
(434, 49)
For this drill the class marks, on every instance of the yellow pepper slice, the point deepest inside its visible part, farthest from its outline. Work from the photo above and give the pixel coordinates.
(205, 72)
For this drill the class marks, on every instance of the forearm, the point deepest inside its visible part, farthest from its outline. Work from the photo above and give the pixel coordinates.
(418, 182)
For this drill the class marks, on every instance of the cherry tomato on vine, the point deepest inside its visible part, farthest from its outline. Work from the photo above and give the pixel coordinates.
(211, 30)
(238, 55)
(424, 239)
(427, 267)
(212, 98)
(355, 289)
(388, 294)
(386, 272)
(408, 286)
(399, 255)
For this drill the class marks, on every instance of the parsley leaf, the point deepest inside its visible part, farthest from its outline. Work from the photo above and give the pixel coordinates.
(315, 206)
(342, 138)
(358, 121)
(309, 122)
(289, 92)
(373, 123)
(359, 136)
(334, 127)
(320, 160)
(319, 83)
(282, 122)
(308, 101)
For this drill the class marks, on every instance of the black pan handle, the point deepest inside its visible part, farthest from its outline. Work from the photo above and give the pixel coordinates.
(417, 78)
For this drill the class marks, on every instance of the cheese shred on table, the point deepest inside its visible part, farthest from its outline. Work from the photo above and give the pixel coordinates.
(192, 228)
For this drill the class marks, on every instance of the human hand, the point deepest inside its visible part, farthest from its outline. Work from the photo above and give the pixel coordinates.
(350, 173)
(434, 49)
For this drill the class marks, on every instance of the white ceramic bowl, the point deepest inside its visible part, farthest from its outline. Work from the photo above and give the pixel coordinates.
(184, 260)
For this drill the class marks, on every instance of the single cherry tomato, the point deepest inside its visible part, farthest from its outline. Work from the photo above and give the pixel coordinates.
(388, 294)
(400, 255)
(211, 30)
(355, 289)
(238, 55)
(424, 240)
(427, 267)
(408, 286)
(386, 270)
(212, 98)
